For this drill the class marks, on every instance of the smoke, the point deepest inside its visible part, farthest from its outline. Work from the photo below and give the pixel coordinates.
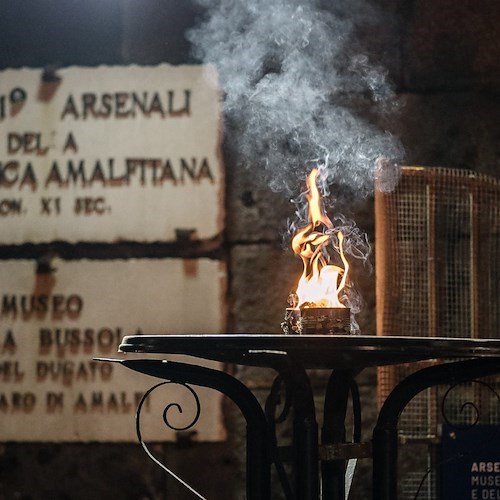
(302, 90)
(299, 86)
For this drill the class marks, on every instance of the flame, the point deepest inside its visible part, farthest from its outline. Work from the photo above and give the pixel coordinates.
(320, 283)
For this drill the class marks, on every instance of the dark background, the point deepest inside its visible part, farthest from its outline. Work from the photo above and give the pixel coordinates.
(444, 59)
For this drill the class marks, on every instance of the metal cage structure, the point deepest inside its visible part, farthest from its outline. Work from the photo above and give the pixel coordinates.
(437, 275)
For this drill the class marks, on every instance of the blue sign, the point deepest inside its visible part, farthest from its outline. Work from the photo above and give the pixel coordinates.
(470, 463)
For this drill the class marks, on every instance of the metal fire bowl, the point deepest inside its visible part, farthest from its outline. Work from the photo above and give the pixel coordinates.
(312, 351)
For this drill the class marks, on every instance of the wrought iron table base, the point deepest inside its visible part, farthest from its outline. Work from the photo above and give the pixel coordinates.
(385, 432)
(335, 455)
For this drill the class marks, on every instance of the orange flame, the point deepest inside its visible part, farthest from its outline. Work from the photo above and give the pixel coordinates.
(320, 283)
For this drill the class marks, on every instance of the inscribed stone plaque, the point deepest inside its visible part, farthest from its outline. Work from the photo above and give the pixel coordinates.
(52, 325)
(109, 153)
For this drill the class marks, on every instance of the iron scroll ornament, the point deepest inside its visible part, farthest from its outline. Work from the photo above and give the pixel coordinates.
(465, 405)
(169, 425)
(258, 463)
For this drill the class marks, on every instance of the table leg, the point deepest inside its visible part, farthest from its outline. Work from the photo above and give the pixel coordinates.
(258, 455)
(305, 435)
(385, 433)
(340, 384)
(272, 402)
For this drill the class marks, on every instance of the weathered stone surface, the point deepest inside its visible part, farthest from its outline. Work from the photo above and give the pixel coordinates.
(80, 472)
(60, 33)
(76, 472)
(262, 277)
(254, 213)
(452, 45)
(451, 130)
(153, 31)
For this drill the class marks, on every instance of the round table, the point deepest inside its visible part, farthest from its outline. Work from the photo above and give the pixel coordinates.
(291, 355)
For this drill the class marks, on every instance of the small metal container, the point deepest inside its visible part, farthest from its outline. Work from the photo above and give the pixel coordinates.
(292, 324)
(317, 320)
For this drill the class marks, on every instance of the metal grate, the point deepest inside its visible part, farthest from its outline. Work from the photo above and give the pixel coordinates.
(438, 275)
(438, 258)
(413, 486)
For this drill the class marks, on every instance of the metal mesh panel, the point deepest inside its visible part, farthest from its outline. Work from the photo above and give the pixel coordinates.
(437, 239)
(438, 254)
(412, 482)
(417, 472)
(438, 275)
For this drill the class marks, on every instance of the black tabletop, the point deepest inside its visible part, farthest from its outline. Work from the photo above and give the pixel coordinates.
(313, 351)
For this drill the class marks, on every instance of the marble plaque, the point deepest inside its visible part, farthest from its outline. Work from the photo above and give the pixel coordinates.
(52, 325)
(110, 153)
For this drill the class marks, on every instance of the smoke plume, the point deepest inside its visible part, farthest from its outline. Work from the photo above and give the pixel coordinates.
(302, 90)
(297, 85)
